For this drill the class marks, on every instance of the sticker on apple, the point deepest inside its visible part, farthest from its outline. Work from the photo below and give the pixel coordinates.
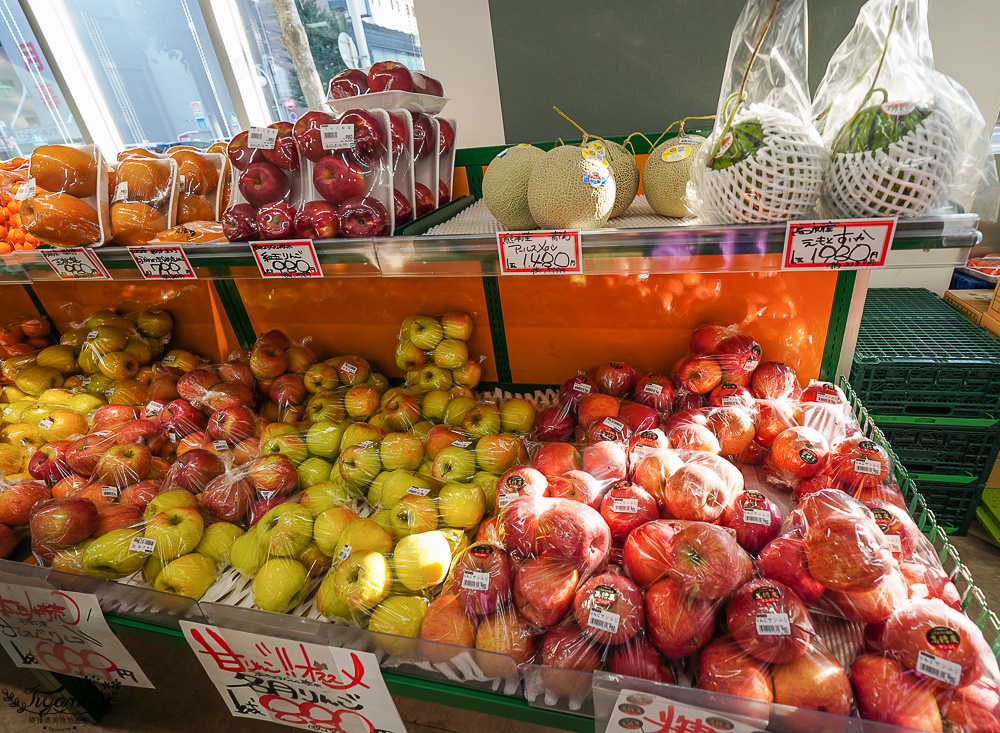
(262, 138)
(624, 505)
(752, 515)
(46, 423)
(505, 498)
(868, 466)
(581, 387)
(145, 545)
(418, 491)
(344, 553)
(220, 445)
(938, 668)
(475, 580)
(653, 389)
(773, 624)
(154, 407)
(603, 620)
(111, 492)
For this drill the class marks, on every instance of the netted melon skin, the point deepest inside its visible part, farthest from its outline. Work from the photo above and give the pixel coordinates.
(505, 186)
(782, 181)
(665, 184)
(558, 196)
(907, 178)
(626, 177)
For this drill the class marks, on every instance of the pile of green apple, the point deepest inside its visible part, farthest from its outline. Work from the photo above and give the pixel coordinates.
(434, 352)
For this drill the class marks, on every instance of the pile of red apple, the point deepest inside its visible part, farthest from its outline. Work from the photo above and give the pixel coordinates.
(383, 76)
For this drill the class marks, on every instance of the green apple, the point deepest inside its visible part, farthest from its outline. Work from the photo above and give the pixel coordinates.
(313, 471)
(98, 384)
(151, 569)
(359, 432)
(217, 539)
(497, 453)
(426, 469)
(410, 356)
(329, 526)
(364, 535)
(154, 322)
(381, 421)
(399, 484)
(190, 575)
(481, 420)
(431, 377)
(325, 407)
(454, 465)
(280, 585)
(375, 489)
(326, 495)
(328, 600)
(272, 431)
(421, 429)
(425, 332)
(84, 402)
(293, 446)
(457, 539)
(461, 505)
(320, 378)
(36, 379)
(169, 500)
(400, 616)
(245, 553)
(109, 557)
(379, 381)
(316, 561)
(106, 340)
(360, 464)
(285, 530)
(422, 560)
(413, 514)
(61, 358)
(177, 531)
(401, 450)
(323, 439)
(488, 483)
(363, 580)
(517, 415)
(383, 519)
(450, 354)
(139, 350)
(434, 404)
(457, 409)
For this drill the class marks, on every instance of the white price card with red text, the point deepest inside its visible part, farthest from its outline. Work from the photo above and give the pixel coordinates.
(301, 685)
(645, 713)
(287, 258)
(163, 262)
(76, 263)
(65, 633)
(842, 244)
(540, 253)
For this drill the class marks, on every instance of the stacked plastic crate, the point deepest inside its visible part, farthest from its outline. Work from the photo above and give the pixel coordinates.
(931, 381)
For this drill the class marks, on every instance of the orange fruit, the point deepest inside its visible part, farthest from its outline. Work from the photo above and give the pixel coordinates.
(192, 207)
(61, 219)
(64, 169)
(199, 171)
(148, 180)
(136, 153)
(135, 223)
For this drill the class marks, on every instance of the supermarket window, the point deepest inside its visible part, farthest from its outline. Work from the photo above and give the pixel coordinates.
(340, 32)
(33, 109)
(996, 137)
(152, 70)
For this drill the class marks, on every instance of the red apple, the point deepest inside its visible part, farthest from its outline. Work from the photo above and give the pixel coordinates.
(555, 459)
(565, 648)
(738, 355)
(814, 681)
(784, 560)
(273, 473)
(773, 418)
(724, 667)
(608, 608)
(227, 395)
(262, 507)
(444, 196)
(823, 392)
(424, 84)
(706, 338)
(267, 362)
(240, 154)
(974, 707)
(264, 183)
(707, 562)
(755, 519)
(655, 390)
(798, 453)
(194, 470)
(17, 499)
(578, 486)
(193, 385)
(639, 658)
(115, 413)
(116, 516)
(677, 622)
(573, 390)
(139, 495)
(734, 428)
(616, 379)
(58, 523)
(148, 432)
(423, 136)
(769, 621)
(424, 199)
(386, 75)
(287, 389)
(929, 581)
(232, 424)
(48, 463)
(649, 551)
(227, 498)
(402, 208)
(519, 481)
(597, 407)
(887, 693)
(483, 559)
(179, 418)
(871, 605)
(307, 134)
(239, 223)
(447, 136)
(698, 374)
(284, 154)
(276, 221)
(369, 136)
(517, 525)
(348, 83)
(775, 381)
(606, 461)
(544, 589)
(728, 394)
(316, 220)
(846, 553)
(696, 492)
(859, 462)
(637, 417)
(694, 437)
(573, 531)
(645, 443)
(363, 216)
(8, 541)
(124, 464)
(554, 424)
(337, 180)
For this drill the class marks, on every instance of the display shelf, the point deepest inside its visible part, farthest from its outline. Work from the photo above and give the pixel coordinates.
(749, 248)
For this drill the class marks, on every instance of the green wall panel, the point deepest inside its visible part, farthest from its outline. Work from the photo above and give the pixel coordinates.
(624, 66)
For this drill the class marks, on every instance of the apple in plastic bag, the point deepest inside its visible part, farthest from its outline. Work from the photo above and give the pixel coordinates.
(363, 216)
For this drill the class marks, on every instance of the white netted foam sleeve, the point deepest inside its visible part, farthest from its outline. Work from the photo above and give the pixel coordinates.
(908, 178)
(782, 181)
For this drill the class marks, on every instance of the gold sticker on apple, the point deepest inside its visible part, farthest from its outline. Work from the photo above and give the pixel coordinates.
(753, 497)
(808, 456)
(766, 594)
(943, 638)
(868, 446)
(604, 595)
(481, 551)
(882, 518)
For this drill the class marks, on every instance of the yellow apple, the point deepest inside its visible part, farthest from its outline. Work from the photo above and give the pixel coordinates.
(280, 585)
(422, 560)
(400, 616)
(329, 526)
(461, 505)
(217, 539)
(191, 576)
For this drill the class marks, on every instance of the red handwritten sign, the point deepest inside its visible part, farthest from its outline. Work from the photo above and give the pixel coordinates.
(842, 244)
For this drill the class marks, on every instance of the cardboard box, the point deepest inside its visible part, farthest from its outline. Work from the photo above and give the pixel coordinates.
(991, 322)
(970, 303)
(994, 308)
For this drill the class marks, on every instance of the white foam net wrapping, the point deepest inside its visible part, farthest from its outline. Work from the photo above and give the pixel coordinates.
(782, 181)
(910, 177)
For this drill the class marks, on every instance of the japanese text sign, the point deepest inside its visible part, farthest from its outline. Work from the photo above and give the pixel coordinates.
(65, 633)
(292, 258)
(163, 262)
(77, 263)
(301, 685)
(540, 253)
(640, 711)
(837, 245)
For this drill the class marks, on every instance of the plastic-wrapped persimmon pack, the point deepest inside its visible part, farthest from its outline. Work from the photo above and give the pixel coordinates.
(144, 196)
(65, 201)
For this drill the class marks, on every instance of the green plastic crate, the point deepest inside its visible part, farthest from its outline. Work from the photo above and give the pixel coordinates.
(944, 449)
(954, 502)
(917, 357)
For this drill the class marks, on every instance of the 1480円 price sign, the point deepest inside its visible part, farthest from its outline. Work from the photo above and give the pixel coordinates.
(65, 633)
(301, 685)
(540, 253)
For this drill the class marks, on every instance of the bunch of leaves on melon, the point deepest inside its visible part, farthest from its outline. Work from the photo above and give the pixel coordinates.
(875, 129)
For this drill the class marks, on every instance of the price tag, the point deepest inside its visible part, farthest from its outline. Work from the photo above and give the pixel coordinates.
(868, 466)
(345, 552)
(306, 686)
(581, 387)
(731, 401)
(462, 443)
(46, 423)
(640, 712)
(26, 190)
(145, 545)
(169, 359)
(167, 262)
(349, 369)
(109, 491)
(540, 253)
(336, 137)
(220, 445)
(153, 408)
(773, 624)
(938, 668)
(109, 391)
(842, 244)
(292, 258)
(418, 491)
(474, 580)
(91, 335)
(121, 192)
(614, 424)
(624, 505)
(76, 263)
(608, 621)
(653, 388)
(895, 544)
(64, 632)
(756, 516)
(505, 498)
(262, 138)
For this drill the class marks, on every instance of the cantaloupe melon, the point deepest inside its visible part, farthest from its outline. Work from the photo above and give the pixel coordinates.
(571, 188)
(666, 174)
(626, 174)
(505, 186)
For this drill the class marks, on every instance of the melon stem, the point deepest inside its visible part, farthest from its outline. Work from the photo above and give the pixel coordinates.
(562, 114)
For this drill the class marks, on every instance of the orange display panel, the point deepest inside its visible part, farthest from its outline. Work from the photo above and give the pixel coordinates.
(15, 302)
(200, 323)
(556, 326)
(363, 315)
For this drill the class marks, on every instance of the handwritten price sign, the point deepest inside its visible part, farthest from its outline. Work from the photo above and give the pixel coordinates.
(293, 258)
(162, 263)
(77, 263)
(837, 245)
(64, 633)
(540, 253)
(306, 686)
(645, 713)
